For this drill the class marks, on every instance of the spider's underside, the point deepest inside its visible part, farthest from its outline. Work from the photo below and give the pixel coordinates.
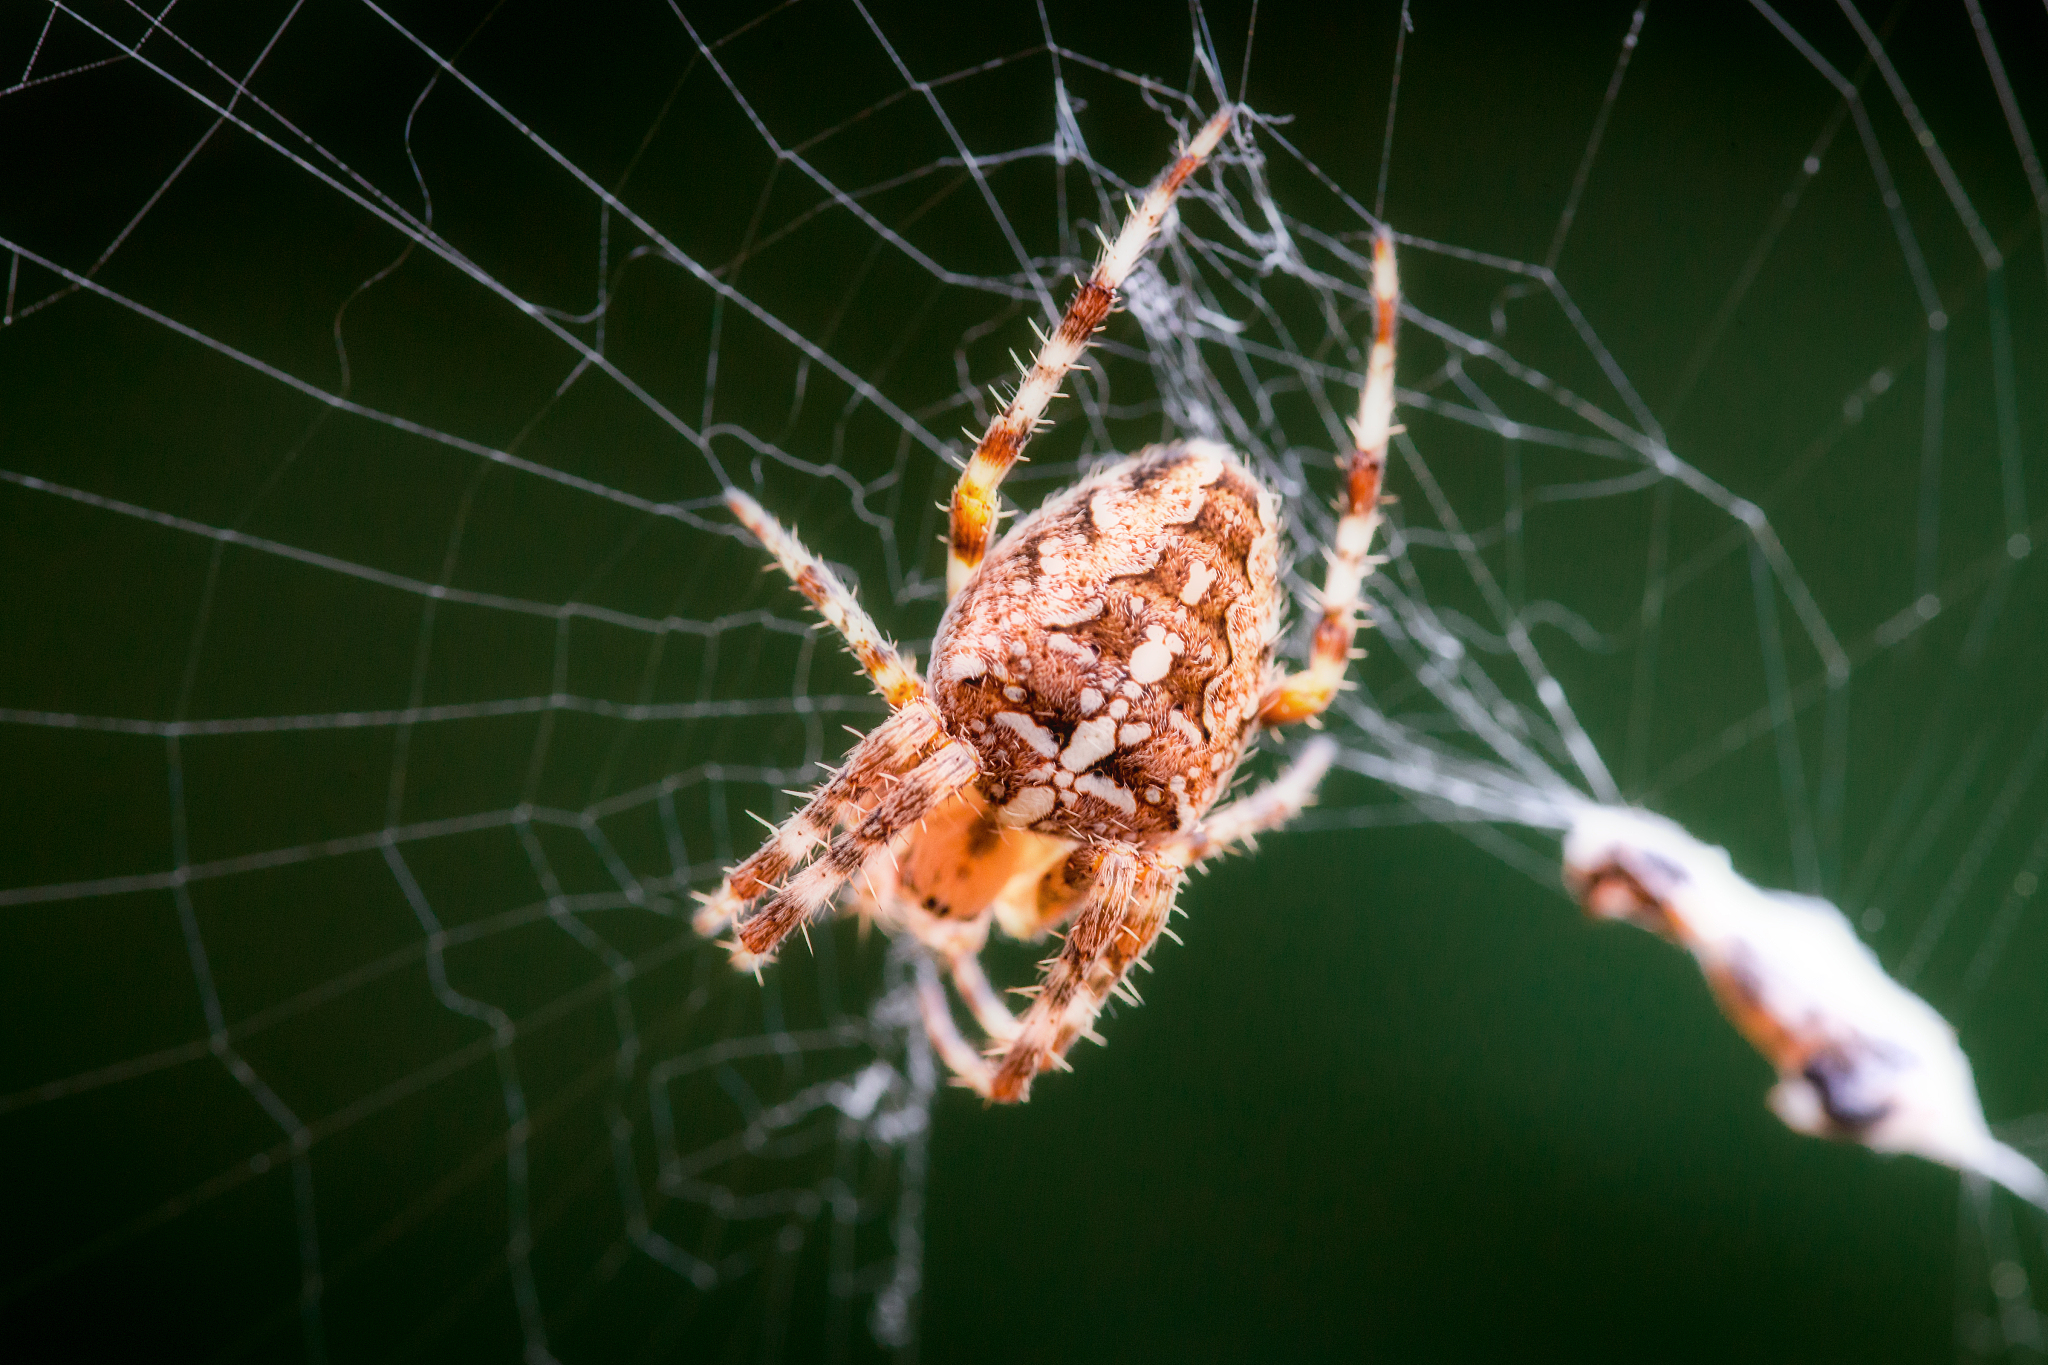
(1095, 682)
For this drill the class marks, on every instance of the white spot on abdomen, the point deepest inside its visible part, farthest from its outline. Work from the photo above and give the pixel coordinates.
(1103, 789)
(1087, 611)
(1067, 644)
(1093, 741)
(1028, 730)
(1150, 662)
(1026, 807)
(1200, 576)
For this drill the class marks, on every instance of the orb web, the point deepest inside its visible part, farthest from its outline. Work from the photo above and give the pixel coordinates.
(386, 672)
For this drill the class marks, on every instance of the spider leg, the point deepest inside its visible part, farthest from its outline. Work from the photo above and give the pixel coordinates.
(1268, 807)
(988, 1008)
(893, 674)
(955, 943)
(1134, 937)
(974, 496)
(1308, 693)
(954, 1050)
(1122, 913)
(909, 800)
(892, 748)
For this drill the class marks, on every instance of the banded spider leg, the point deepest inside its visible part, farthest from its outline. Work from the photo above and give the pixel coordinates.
(908, 754)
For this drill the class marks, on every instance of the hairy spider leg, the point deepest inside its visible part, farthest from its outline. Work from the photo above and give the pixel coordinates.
(974, 508)
(893, 748)
(1308, 693)
(958, 954)
(1126, 906)
(1269, 807)
(1221, 832)
(988, 1008)
(894, 676)
(955, 1051)
(955, 943)
(908, 800)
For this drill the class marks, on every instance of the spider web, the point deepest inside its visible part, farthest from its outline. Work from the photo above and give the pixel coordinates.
(386, 673)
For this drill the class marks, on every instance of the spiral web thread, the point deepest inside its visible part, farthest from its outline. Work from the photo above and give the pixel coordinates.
(391, 672)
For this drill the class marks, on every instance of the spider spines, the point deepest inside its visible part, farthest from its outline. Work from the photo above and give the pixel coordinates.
(743, 960)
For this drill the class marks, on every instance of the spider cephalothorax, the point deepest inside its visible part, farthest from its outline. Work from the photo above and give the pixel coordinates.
(1094, 684)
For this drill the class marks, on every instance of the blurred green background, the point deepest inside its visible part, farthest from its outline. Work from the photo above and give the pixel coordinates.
(1391, 1099)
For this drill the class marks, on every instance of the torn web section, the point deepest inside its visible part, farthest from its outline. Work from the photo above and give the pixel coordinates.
(383, 716)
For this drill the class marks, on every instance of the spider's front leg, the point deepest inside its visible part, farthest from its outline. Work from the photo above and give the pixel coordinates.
(1126, 906)
(1307, 694)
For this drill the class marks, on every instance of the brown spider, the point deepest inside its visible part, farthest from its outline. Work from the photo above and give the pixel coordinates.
(1094, 683)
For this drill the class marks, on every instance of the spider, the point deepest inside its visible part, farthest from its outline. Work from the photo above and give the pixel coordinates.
(1095, 681)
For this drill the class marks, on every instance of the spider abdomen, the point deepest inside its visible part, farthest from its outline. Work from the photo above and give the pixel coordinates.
(1108, 658)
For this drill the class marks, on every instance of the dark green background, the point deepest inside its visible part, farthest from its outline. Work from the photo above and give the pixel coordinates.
(1392, 1099)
